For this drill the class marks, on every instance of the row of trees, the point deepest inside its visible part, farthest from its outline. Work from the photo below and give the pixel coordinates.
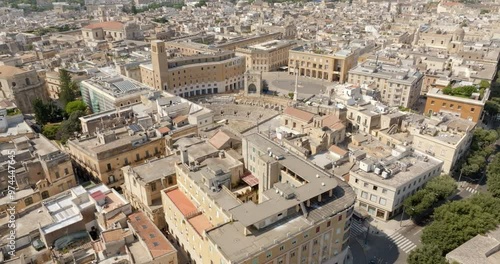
(481, 148)
(44, 30)
(434, 191)
(133, 9)
(492, 106)
(458, 221)
(455, 223)
(493, 176)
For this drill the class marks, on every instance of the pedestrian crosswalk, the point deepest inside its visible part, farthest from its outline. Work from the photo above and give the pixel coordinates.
(471, 190)
(357, 228)
(402, 242)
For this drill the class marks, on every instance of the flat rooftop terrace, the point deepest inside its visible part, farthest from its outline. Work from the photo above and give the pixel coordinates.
(419, 165)
(316, 182)
(157, 168)
(237, 246)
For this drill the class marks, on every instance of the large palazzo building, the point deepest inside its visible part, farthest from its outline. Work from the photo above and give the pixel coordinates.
(208, 73)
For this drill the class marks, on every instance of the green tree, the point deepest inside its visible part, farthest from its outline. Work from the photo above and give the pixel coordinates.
(428, 254)
(492, 107)
(133, 9)
(419, 202)
(458, 221)
(484, 84)
(70, 126)
(46, 112)
(442, 186)
(50, 131)
(68, 87)
(437, 189)
(483, 137)
(493, 176)
(201, 3)
(463, 91)
(481, 147)
(75, 106)
(41, 115)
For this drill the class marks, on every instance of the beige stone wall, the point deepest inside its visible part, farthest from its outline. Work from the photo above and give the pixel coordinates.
(155, 147)
(262, 60)
(141, 197)
(449, 154)
(24, 88)
(98, 168)
(294, 123)
(321, 66)
(250, 41)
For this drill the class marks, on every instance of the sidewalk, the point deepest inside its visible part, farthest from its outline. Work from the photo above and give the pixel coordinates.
(378, 227)
(349, 259)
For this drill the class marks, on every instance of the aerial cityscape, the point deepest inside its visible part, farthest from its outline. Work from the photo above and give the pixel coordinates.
(250, 131)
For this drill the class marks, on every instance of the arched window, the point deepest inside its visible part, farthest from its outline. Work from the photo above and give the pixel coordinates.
(28, 81)
(45, 194)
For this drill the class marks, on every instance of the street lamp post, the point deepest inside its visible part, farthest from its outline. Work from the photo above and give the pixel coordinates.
(401, 220)
(366, 237)
(460, 176)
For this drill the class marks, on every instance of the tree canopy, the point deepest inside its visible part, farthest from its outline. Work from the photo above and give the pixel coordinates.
(437, 189)
(46, 112)
(493, 176)
(70, 126)
(458, 221)
(481, 147)
(201, 3)
(68, 87)
(50, 131)
(462, 91)
(75, 106)
(50, 117)
(430, 254)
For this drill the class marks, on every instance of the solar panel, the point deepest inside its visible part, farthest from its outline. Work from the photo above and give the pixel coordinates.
(135, 127)
(125, 86)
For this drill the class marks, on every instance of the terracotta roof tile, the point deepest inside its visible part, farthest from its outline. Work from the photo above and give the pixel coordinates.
(299, 114)
(155, 241)
(181, 201)
(179, 119)
(335, 149)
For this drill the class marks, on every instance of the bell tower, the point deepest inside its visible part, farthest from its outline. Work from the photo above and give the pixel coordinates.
(159, 59)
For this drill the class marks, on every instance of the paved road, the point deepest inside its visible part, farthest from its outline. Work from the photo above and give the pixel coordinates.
(358, 254)
(285, 83)
(379, 247)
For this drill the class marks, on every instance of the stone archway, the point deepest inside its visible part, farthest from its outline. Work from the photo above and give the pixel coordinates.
(253, 83)
(252, 88)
